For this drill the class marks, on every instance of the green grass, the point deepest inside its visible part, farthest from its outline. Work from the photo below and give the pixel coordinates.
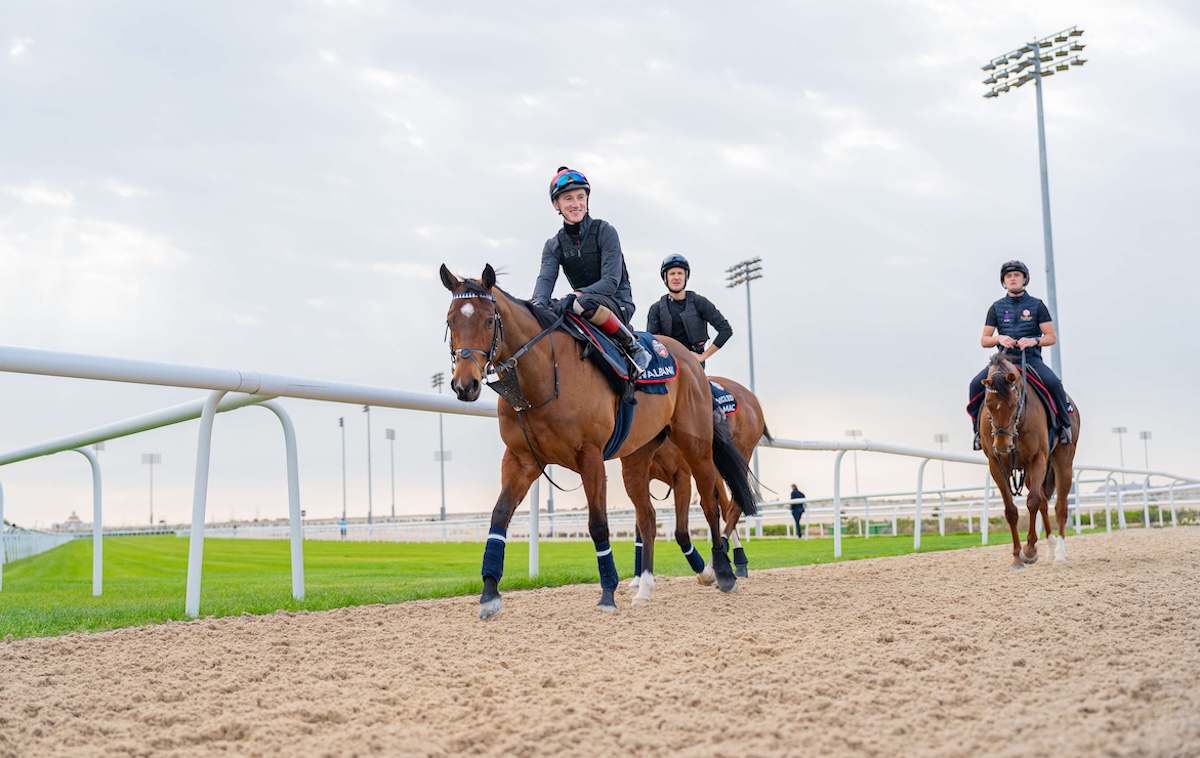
(145, 578)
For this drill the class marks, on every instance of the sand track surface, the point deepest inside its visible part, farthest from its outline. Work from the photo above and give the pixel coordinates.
(946, 654)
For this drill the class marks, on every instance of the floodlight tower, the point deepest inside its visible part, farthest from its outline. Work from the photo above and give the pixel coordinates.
(1062, 50)
(737, 275)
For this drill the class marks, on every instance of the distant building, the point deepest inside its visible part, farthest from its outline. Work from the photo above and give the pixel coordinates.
(72, 524)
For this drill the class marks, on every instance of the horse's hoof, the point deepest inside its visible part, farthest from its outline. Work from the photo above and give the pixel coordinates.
(490, 609)
(634, 583)
(607, 604)
(741, 571)
(639, 600)
(707, 577)
(727, 585)
(1028, 561)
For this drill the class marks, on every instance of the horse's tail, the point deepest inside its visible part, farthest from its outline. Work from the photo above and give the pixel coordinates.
(1048, 483)
(732, 467)
(766, 435)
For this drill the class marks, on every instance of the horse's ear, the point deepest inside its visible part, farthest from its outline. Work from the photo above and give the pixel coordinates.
(489, 276)
(1010, 377)
(987, 382)
(449, 279)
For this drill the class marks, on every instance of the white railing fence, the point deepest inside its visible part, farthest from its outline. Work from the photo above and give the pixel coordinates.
(255, 388)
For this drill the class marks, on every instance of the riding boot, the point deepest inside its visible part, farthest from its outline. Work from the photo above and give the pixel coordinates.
(1064, 430)
(976, 444)
(638, 355)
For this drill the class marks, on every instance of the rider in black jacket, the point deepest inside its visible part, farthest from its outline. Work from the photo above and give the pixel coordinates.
(1023, 322)
(589, 253)
(685, 315)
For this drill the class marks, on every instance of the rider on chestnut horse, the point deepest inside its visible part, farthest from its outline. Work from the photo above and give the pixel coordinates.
(684, 314)
(1023, 323)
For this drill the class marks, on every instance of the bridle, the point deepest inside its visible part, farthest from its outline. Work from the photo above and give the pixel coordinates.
(506, 383)
(1016, 475)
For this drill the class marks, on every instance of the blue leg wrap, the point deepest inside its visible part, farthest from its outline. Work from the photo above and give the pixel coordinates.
(493, 552)
(608, 568)
(694, 559)
(637, 555)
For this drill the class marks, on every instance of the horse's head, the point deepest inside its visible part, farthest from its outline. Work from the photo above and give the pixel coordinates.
(1002, 399)
(474, 329)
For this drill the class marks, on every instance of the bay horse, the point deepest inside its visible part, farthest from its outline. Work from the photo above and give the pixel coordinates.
(568, 421)
(1020, 440)
(748, 427)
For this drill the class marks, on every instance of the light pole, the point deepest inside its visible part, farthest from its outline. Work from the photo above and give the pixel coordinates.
(342, 425)
(942, 439)
(438, 380)
(855, 434)
(391, 437)
(151, 459)
(370, 508)
(737, 275)
(1145, 438)
(1120, 432)
(1061, 49)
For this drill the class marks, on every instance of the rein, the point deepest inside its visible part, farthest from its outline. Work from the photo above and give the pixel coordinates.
(506, 383)
(1016, 475)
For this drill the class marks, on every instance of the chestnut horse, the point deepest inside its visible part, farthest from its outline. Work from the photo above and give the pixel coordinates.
(1020, 441)
(567, 420)
(747, 426)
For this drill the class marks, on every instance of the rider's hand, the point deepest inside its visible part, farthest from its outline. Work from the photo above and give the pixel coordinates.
(563, 306)
(1007, 342)
(1027, 342)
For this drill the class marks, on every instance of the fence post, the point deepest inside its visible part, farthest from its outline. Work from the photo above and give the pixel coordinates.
(535, 499)
(1146, 502)
(917, 512)
(2, 558)
(199, 500)
(1075, 500)
(984, 522)
(837, 504)
(97, 526)
(293, 476)
(1170, 490)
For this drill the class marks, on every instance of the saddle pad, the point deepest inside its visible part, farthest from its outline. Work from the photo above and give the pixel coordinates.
(662, 367)
(723, 399)
(1043, 394)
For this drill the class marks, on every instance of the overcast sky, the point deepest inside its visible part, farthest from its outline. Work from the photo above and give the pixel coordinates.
(234, 185)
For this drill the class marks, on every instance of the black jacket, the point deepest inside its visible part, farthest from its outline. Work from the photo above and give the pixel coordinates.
(698, 313)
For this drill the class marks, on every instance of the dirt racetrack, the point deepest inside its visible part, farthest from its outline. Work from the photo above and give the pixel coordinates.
(946, 654)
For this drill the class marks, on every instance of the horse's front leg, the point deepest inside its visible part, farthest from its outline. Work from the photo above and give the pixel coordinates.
(595, 488)
(516, 475)
(705, 473)
(1035, 502)
(1011, 515)
(635, 471)
(1062, 481)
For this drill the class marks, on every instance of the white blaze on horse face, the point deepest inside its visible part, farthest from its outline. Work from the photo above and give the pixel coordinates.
(467, 310)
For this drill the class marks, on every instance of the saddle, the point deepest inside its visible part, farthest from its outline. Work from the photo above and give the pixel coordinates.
(600, 348)
(1034, 382)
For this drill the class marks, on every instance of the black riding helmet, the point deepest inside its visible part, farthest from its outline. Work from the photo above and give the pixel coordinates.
(568, 179)
(1014, 266)
(675, 260)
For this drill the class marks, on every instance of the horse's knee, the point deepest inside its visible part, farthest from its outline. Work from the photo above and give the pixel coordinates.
(682, 537)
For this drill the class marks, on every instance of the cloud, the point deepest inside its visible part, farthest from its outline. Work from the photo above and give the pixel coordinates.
(19, 47)
(124, 190)
(40, 194)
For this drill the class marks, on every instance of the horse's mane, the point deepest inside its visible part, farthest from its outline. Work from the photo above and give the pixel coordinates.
(999, 364)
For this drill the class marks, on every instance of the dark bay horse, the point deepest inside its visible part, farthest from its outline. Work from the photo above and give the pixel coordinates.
(747, 427)
(1020, 439)
(570, 416)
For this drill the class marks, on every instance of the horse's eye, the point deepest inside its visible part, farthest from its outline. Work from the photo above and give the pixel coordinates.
(491, 320)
